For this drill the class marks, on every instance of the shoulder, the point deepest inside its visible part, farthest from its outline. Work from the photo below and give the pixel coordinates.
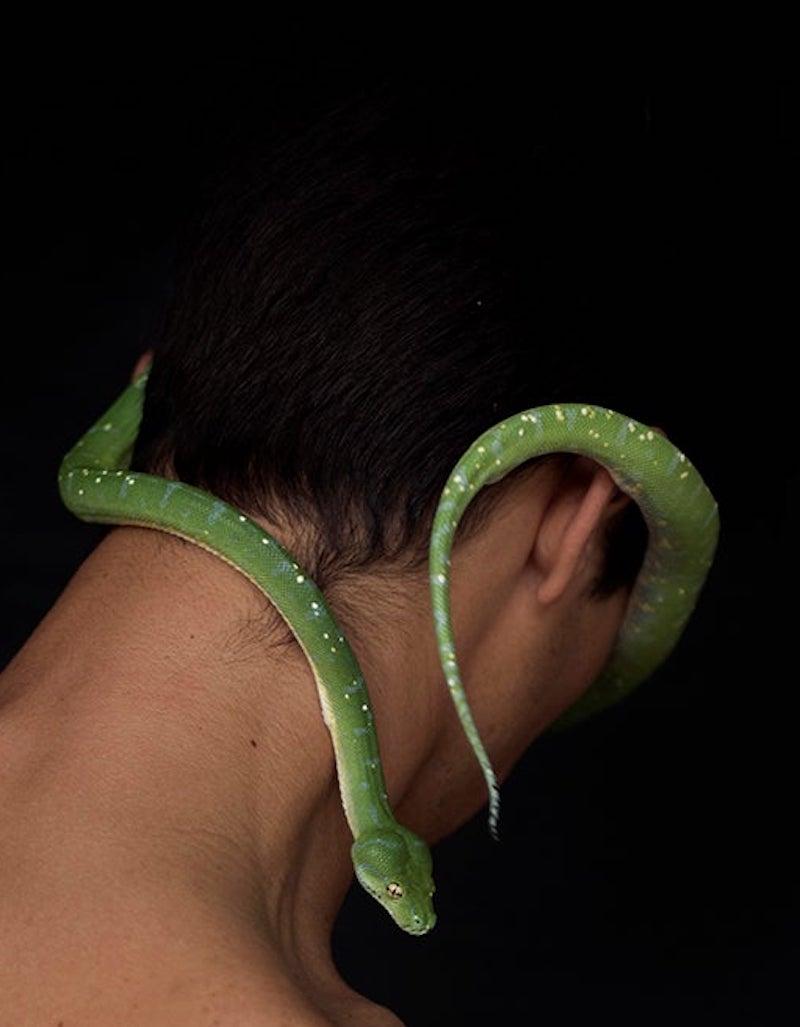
(294, 1012)
(353, 1011)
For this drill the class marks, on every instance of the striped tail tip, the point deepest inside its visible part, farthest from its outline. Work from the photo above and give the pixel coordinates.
(494, 810)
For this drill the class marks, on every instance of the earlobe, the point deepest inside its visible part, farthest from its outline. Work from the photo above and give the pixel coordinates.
(583, 520)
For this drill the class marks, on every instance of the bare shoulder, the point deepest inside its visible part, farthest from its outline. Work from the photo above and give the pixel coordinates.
(59, 966)
(365, 1014)
(173, 999)
(352, 1010)
(141, 995)
(276, 1003)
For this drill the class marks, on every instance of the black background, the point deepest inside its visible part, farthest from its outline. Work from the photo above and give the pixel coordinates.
(647, 865)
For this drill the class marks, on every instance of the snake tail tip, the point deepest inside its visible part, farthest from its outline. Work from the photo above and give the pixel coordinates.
(494, 814)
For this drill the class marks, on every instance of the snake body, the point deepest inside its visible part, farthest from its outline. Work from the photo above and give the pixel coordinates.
(391, 862)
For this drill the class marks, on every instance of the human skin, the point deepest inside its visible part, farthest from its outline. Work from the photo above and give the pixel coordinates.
(173, 848)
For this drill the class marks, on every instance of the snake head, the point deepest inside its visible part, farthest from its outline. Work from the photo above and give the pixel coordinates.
(394, 866)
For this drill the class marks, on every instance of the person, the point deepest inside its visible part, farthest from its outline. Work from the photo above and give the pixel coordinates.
(174, 848)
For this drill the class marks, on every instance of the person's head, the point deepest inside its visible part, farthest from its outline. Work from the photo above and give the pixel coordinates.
(352, 307)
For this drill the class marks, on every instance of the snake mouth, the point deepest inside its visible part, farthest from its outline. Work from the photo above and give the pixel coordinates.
(423, 928)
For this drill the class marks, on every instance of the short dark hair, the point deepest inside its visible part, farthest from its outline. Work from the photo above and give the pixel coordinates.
(352, 306)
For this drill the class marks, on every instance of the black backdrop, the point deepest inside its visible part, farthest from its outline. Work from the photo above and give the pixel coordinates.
(646, 870)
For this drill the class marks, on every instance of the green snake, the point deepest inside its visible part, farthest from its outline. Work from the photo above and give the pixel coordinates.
(391, 862)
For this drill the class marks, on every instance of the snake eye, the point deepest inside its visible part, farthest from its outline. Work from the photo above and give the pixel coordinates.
(395, 890)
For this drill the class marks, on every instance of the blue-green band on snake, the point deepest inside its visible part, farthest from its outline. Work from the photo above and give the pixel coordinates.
(391, 862)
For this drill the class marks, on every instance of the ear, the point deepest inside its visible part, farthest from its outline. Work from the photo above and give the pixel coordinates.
(581, 503)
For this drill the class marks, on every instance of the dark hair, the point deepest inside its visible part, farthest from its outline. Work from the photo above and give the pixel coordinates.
(351, 308)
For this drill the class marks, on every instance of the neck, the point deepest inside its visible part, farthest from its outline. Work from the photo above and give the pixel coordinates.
(187, 738)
